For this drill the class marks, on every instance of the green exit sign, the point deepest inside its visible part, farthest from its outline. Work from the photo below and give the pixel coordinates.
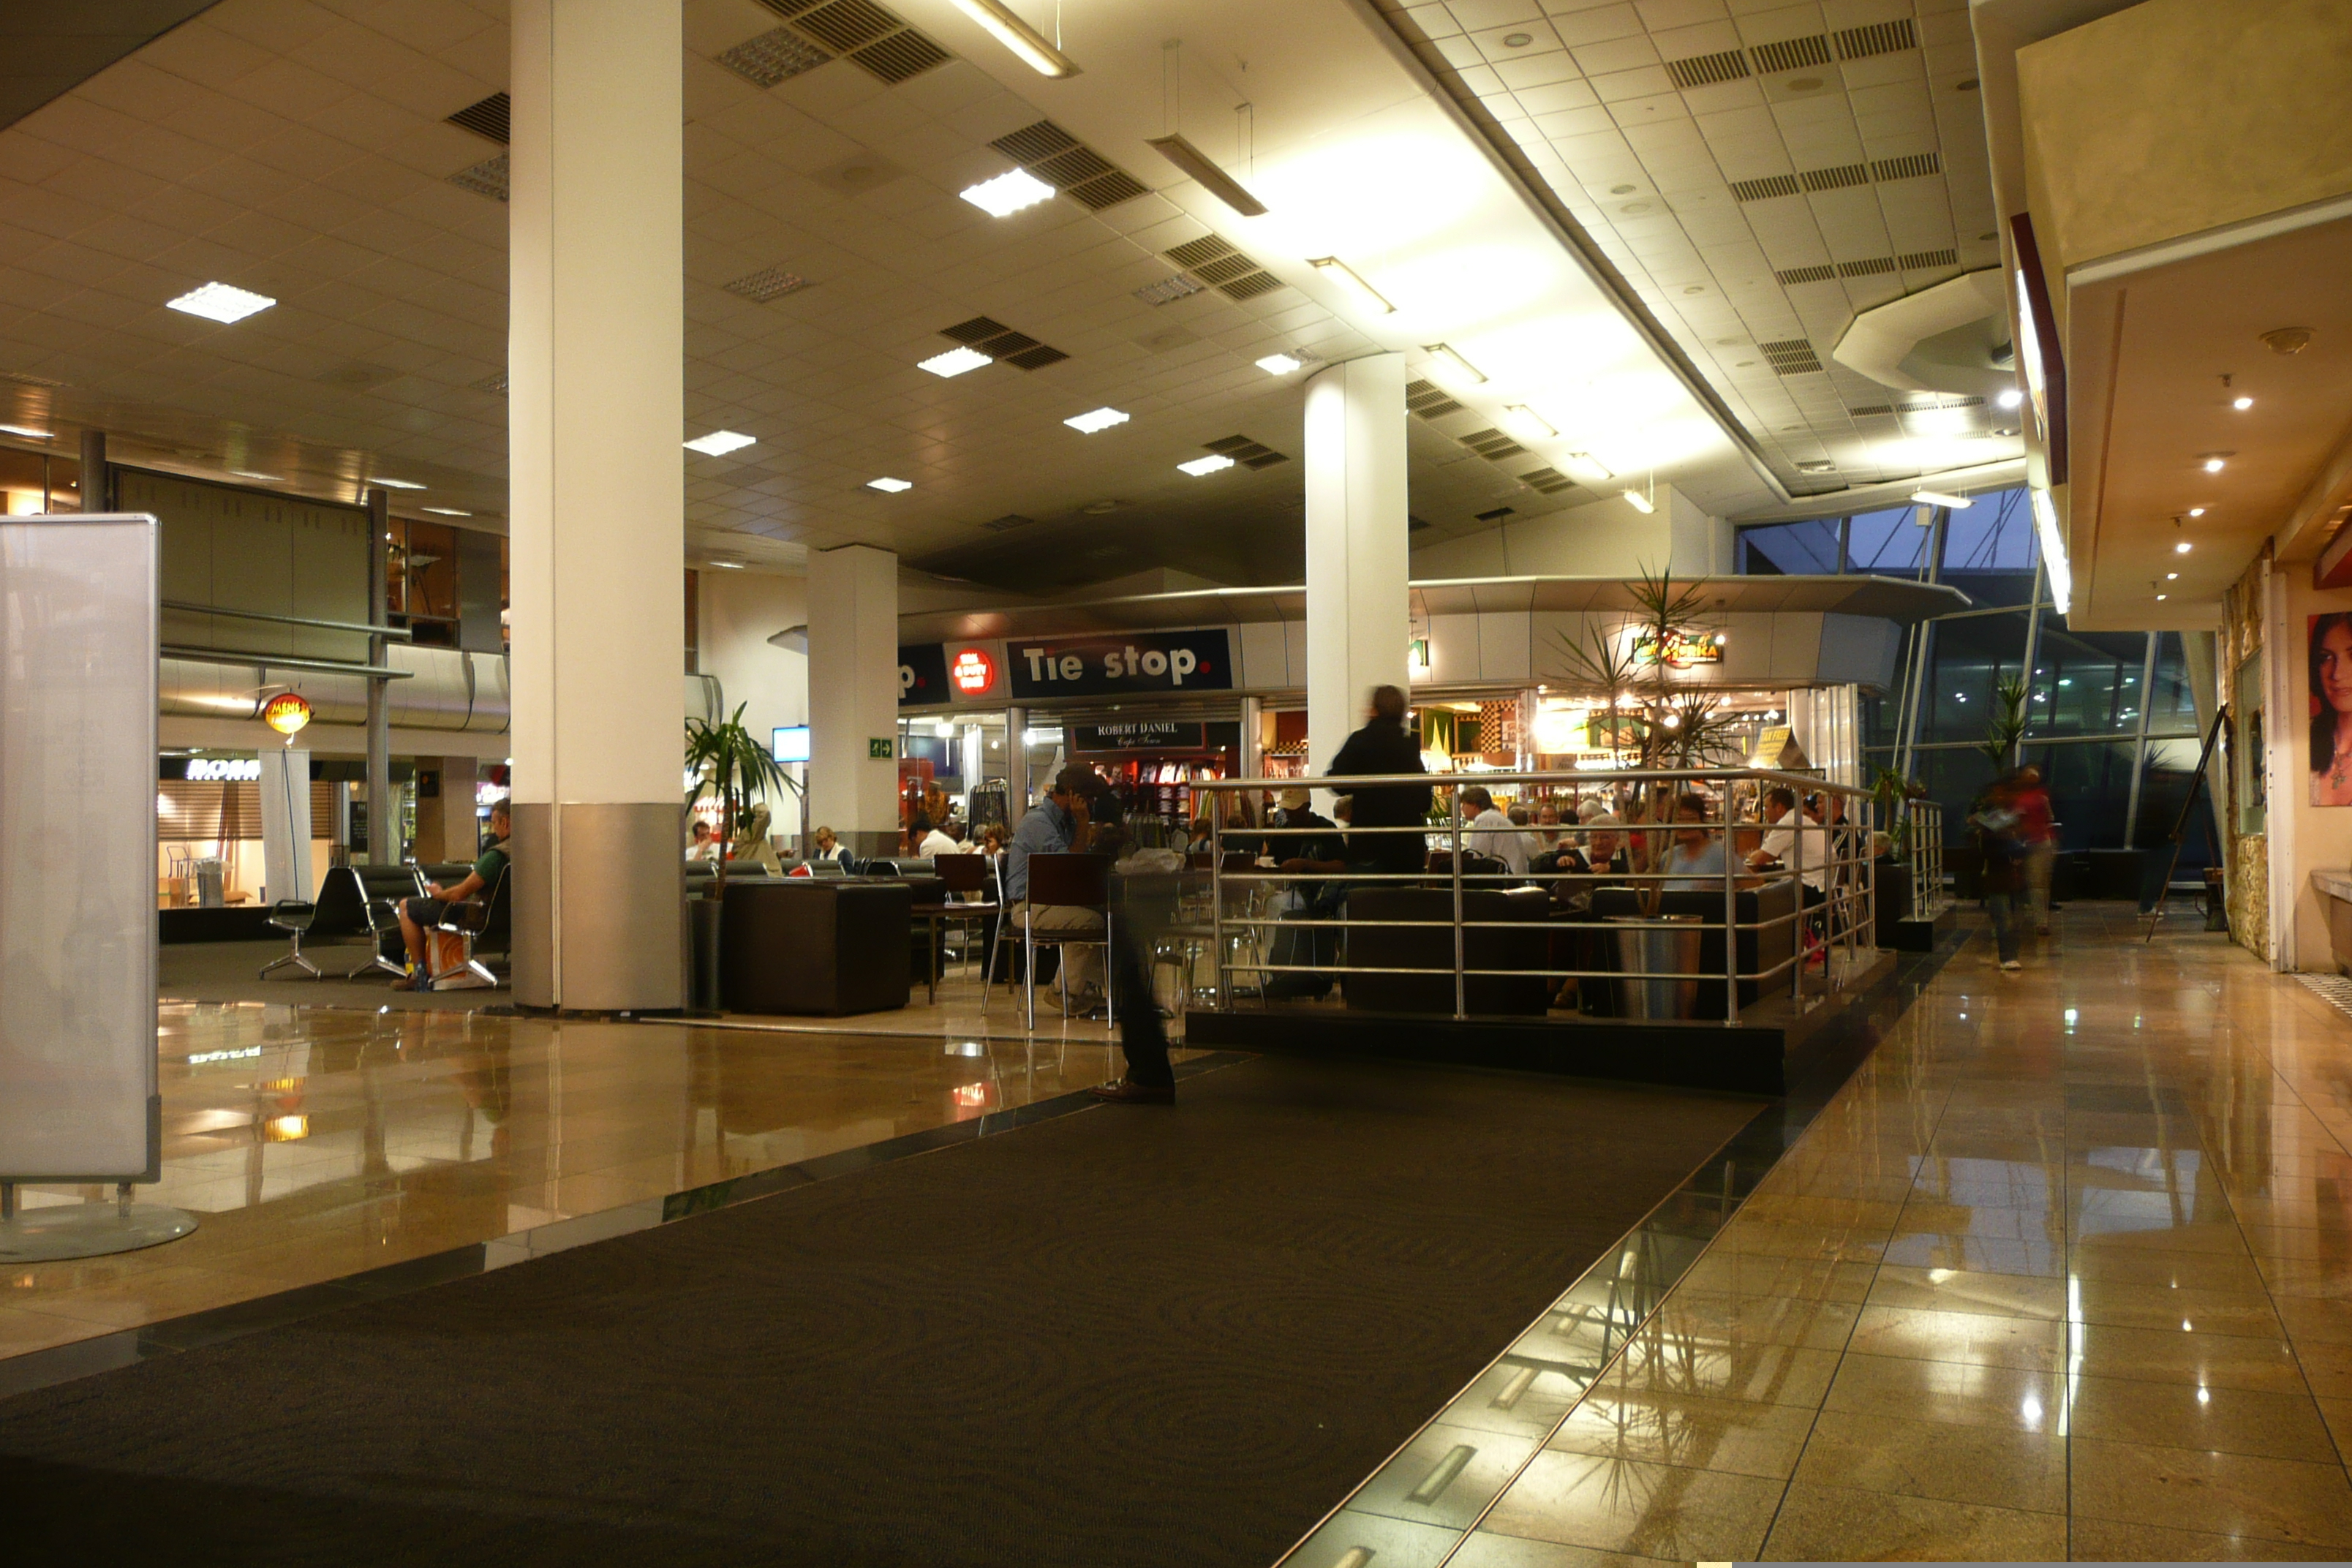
(878, 747)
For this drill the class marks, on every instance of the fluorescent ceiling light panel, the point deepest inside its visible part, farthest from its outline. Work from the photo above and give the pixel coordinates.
(1640, 502)
(955, 362)
(413, 485)
(1007, 194)
(447, 512)
(1098, 419)
(1199, 468)
(726, 566)
(718, 443)
(220, 303)
(1212, 179)
(1279, 365)
(888, 486)
(26, 431)
(1454, 365)
(1027, 44)
(1528, 425)
(1340, 272)
(1937, 497)
(1589, 467)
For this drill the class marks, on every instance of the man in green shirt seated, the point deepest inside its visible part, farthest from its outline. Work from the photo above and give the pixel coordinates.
(418, 916)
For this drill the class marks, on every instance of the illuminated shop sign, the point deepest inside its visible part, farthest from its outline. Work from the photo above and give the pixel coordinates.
(286, 713)
(973, 672)
(223, 770)
(1683, 649)
(1138, 662)
(922, 674)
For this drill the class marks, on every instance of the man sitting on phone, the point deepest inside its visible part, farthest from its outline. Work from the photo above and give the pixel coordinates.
(418, 916)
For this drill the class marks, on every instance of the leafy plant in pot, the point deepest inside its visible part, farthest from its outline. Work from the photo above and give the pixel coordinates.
(730, 764)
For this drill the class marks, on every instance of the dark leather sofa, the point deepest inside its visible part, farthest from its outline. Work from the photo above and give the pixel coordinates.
(1432, 947)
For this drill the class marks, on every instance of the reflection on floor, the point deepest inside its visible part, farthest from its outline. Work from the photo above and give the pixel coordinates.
(317, 1142)
(2066, 1270)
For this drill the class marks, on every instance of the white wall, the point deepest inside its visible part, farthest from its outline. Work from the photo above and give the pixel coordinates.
(1602, 539)
(740, 611)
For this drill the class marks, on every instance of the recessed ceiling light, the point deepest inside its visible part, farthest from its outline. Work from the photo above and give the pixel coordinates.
(1201, 466)
(1340, 272)
(413, 485)
(2181, 548)
(726, 565)
(2010, 398)
(1279, 365)
(1517, 40)
(1454, 365)
(718, 443)
(1018, 36)
(2162, 598)
(955, 362)
(889, 486)
(2172, 576)
(447, 512)
(1527, 424)
(1937, 497)
(1007, 194)
(1097, 419)
(1640, 502)
(220, 303)
(2213, 464)
(2242, 404)
(2196, 511)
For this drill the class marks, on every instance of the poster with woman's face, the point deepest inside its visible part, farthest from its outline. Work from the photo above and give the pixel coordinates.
(2331, 709)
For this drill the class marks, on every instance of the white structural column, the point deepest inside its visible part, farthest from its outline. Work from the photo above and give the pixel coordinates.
(853, 684)
(595, 406)
(1357, 608)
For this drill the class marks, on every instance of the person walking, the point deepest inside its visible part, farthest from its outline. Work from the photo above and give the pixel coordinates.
(1384, 746)
(2039, 828)
(2004, 850)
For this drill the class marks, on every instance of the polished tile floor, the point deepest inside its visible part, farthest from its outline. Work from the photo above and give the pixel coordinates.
(316, 1142)
(2064, 1270)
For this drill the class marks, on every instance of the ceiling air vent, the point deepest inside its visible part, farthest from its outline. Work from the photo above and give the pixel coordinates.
(1922, 261)
(1547, 481)
(1212, 260)
(1836, 179)
(1009, 520)
(1909, 168)
(1168, 289)
(903, 55)
(1492, 445)
(1765, 189)
(1792, 54)
(487, 119)
(1792, 357)
(1869, 410)
(1070, 167)
(1706, 70)
(768, 283)
(1873, 267)
(1428, 399)
(1878, 38)
(859, 31)
(1806, 275)
(774, 56)
(985, 335)
(1934, 404)
(487, 179)
(1817, 466)
(1249, 454)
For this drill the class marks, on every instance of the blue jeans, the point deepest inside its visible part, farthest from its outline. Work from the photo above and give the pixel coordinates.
(2008, 911)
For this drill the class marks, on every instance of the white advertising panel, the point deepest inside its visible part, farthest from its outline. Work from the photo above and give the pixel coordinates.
(286, 825)
(78, 648)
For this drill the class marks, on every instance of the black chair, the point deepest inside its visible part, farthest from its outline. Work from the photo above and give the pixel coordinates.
(478, 924)
(295, 917)
(1071, 881)
(958, 875)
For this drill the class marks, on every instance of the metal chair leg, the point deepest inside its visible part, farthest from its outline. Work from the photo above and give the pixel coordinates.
(294, 958)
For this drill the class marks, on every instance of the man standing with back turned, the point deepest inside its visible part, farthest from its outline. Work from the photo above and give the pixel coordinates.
(1384, 746)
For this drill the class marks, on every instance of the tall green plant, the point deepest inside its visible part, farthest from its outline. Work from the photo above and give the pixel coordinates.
(729, 764)
(2005, 733)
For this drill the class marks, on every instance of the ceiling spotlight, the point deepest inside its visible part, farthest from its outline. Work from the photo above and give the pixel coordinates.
(2213, 464)
(447, 512)
(1018, 36)
(1210, 178)
(2172, 576)
(413, 485)
(718, 443)
(1640, 502)
(1199, 468)
(1100, 419)
(2181, 548)
(2162, 598)
(26, 431)
(955, 362)
(1461, 368)
(2010, 398)
(220, 303)
(888, 486)
(1937, 498)
(2196, 511)
(1007, 194)
(1280, 364)
(1340, 272)
(2242, 404)
(1528, 425)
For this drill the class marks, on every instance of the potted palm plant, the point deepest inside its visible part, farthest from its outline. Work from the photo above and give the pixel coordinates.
(727, 763)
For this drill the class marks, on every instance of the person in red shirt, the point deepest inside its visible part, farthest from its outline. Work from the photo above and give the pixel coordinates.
(2031, 803)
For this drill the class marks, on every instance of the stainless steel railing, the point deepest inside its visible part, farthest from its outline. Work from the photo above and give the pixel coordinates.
(1820, 899)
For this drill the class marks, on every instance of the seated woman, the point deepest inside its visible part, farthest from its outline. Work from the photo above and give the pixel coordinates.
(419, 915)
(829, 847)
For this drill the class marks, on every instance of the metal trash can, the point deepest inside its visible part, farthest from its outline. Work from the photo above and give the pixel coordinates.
(1644, 944)
(205, 876)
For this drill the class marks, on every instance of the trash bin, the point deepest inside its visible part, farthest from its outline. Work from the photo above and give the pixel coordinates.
(1652, 944)
(205, 877)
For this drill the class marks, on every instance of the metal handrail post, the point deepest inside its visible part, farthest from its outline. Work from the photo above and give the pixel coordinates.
(1797, 959)
(1730, 924)
(1217, 899)
(1460, 985)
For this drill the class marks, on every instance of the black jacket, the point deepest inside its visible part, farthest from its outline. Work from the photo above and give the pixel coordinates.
(1384, 746)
